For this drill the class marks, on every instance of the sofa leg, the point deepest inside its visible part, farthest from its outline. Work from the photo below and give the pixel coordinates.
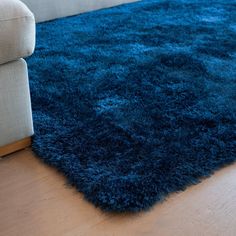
(14, 147)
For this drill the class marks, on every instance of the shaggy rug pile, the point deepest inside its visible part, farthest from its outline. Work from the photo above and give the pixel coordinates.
(138, 101)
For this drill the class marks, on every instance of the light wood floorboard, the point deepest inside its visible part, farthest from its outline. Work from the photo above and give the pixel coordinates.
(35, 201)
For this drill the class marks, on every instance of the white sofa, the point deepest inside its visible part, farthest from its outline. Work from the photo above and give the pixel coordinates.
(17, 41)
(52, 9)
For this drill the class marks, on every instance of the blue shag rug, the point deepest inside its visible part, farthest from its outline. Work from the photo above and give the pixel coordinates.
(138, 101)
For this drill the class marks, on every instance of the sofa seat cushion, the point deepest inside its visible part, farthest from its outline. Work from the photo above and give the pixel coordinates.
(17, 30)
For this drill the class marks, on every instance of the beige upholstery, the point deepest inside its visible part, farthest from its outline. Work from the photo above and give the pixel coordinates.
(51, 9)
(17, 40)
(17, 31)
(15, 107)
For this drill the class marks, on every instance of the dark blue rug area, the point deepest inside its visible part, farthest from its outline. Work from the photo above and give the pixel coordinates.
(138, 101)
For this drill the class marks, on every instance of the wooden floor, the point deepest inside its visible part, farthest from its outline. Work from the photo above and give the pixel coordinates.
(34, 201)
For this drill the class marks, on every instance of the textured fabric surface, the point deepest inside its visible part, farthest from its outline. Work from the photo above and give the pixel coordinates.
(51, 9)
(138, 101)
(15, 105)
(17, 31)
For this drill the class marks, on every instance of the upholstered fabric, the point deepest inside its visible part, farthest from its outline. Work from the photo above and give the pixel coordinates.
(51, 9)
(17, 31)
(15, 105)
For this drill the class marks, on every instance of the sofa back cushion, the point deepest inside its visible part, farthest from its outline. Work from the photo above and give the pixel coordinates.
(51, 9)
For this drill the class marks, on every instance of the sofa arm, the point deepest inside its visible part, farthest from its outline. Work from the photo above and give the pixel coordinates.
(17, 31)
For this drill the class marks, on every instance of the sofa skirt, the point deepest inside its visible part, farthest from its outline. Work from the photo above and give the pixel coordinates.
(15, 105)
